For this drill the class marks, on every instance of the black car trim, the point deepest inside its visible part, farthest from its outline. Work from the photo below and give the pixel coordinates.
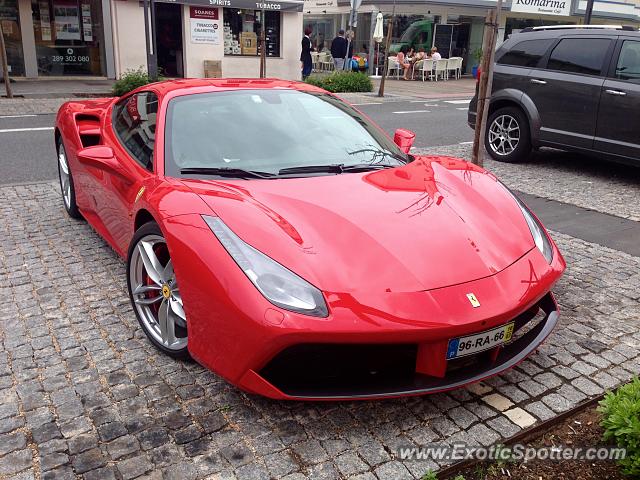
(510, 355)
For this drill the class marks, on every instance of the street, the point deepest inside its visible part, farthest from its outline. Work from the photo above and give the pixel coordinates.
(28, 152)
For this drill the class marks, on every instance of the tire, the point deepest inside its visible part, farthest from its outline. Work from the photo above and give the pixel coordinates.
(66, 182)
(508, 138)
(154, 293)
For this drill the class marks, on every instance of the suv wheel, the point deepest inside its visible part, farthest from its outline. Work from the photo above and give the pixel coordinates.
(507, 138)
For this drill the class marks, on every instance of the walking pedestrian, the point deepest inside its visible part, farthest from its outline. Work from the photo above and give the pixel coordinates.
(305, 54)
(339, 50)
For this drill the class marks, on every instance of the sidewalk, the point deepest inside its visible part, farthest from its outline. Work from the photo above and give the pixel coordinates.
(46, 96)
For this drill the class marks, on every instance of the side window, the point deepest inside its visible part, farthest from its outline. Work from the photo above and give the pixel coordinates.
(628, 66)
(579, 55)
(134, 121)
(527, 53)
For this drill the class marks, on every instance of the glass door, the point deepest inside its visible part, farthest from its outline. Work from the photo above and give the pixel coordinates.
(10, 20)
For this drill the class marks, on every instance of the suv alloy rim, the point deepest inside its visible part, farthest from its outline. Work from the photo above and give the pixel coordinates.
(504, 135)
(155, 293)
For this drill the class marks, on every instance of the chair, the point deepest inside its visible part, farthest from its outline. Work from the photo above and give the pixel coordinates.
(440, 69)
(427, 69)
(417, 67)
(326, 62)
(455, 65)
(392, 64)
(315, 60)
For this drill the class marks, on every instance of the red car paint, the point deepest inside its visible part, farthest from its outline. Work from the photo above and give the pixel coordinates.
(394, 251)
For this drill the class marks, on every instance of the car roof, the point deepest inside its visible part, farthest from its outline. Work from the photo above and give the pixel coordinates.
(569, 30)
(204, 85)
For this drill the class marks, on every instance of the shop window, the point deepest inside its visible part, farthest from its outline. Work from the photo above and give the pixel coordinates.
(69, 37)
(13, 39)
(242, 30)
(579, 55)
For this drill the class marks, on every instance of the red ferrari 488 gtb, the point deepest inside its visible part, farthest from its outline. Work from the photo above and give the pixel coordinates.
(280, 238)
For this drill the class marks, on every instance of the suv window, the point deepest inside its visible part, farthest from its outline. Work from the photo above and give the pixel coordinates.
(527, 53)
(628, 67)
(134, 120)
(579, 55)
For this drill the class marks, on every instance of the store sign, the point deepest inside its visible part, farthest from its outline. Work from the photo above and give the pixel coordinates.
(288, 5)
(542, 7)
(71, 56)
(205, 26)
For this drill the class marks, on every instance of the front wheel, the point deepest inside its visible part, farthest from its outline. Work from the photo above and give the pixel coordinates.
(154, 291)
(507, 138)
(66, 183)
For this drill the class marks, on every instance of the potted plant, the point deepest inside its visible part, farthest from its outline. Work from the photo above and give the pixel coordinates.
(477, 55)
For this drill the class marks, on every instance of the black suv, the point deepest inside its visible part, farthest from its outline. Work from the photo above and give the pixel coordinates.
(569, 88)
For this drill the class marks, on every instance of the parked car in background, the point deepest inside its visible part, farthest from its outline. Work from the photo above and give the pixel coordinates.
(570, 87)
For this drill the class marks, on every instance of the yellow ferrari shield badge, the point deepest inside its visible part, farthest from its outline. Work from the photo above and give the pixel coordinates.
(473, 300)
(166, 291)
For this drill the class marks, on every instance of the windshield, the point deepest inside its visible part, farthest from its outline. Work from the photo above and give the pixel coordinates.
(268, 131)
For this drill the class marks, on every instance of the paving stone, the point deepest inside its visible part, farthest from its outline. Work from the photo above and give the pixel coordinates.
(350, 464)
(123, 446)
(587, 386)
(89, 460)
(104, 473)
(506, 427)
(540, 410)
(16, 461)
(521, 418)
(134, 467)
(281, 463)
(11, 442)
(82, 443)
(497, 401)
(483, 434)
(53, 460)
(393, 469)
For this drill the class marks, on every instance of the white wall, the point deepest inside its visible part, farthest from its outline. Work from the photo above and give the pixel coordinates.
(128, 36)
(129, 43)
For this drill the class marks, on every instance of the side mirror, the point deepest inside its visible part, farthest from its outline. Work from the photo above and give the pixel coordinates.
(102, 157)
(404, 139)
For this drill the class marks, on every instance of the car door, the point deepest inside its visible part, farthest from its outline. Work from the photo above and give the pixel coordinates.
(618, 130)
(566, 91)
(133, 140)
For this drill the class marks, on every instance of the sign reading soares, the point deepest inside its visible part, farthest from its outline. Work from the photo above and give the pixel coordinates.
(547, 7)
(205, 25)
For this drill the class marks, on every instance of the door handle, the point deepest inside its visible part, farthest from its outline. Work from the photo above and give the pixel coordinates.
(616, 92)
(538, 82)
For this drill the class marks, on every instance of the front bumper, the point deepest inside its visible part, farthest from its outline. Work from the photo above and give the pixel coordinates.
(339, 372)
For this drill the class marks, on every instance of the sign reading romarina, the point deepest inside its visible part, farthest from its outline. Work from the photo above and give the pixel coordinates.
(545, 7)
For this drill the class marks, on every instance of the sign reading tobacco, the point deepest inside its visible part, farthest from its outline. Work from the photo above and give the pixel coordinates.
(284, 5)
(545, 7)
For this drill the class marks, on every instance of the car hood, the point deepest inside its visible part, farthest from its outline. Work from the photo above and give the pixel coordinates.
(435, 222)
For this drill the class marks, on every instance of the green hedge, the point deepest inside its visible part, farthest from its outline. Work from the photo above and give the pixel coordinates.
(339, 82)
(621, 422)
(130, 80)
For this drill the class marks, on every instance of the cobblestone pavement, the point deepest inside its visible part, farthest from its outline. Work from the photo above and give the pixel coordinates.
(84, 395)
(588, 182)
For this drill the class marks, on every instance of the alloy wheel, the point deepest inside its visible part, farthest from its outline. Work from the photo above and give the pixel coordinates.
(65, 178)
(504, 135)
(155, 293)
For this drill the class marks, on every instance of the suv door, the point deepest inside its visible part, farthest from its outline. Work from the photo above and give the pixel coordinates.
(567, 91)
(618, 130)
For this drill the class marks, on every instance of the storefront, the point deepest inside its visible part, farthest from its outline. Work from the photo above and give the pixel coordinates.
(455, 27)
(190, 33)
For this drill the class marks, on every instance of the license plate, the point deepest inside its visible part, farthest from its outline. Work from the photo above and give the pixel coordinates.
(463, 346)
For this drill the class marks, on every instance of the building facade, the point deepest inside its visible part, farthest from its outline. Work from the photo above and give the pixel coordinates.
(103, 39)
(455, 27)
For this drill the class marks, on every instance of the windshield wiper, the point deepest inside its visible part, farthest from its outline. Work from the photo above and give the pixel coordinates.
(333, 168)
(225, 172)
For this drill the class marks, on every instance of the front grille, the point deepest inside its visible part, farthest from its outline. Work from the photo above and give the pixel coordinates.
(360, 370)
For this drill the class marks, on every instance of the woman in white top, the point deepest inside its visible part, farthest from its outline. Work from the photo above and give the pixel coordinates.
(435, 55)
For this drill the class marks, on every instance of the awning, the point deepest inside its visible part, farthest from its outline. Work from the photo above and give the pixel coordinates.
(282, 5)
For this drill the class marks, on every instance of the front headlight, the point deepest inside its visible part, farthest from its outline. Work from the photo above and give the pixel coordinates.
(537, 231)
(279, 285)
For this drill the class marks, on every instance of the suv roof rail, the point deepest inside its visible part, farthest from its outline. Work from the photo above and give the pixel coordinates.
(578, 27)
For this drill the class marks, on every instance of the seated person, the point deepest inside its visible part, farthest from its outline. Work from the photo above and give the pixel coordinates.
(403, 62)
(435, 55)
